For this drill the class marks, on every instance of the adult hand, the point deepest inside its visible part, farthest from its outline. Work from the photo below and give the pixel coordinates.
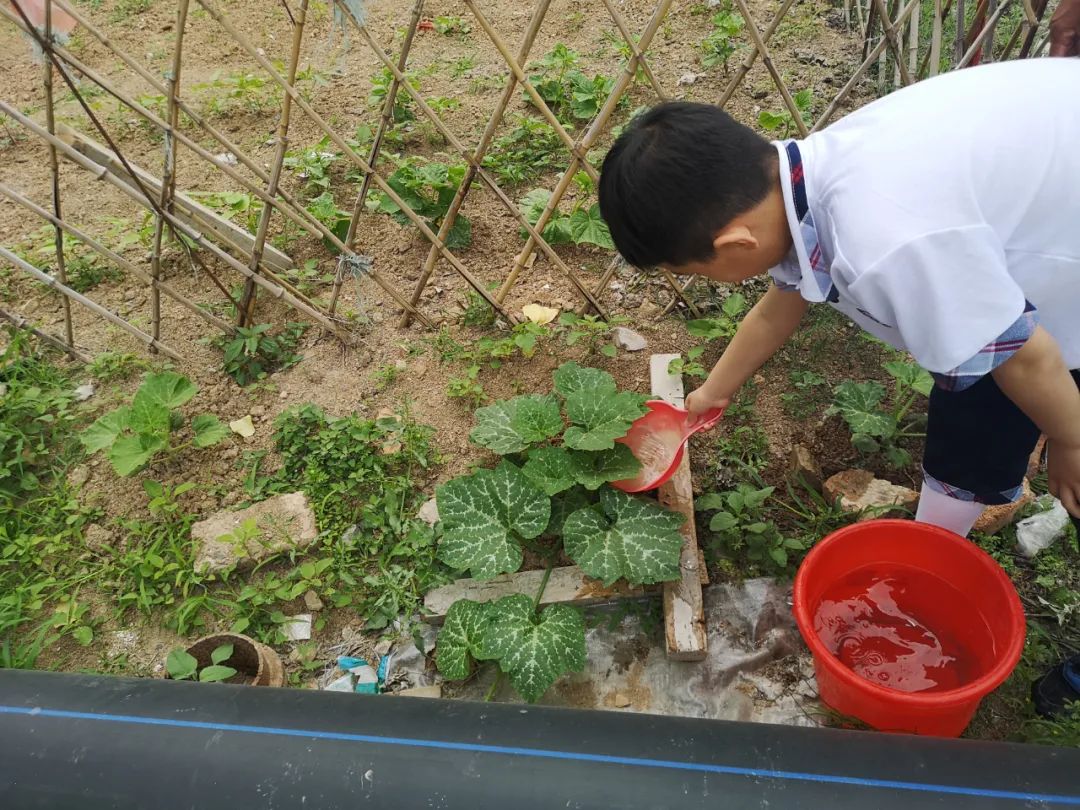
(1065, 29)
(1063, 474)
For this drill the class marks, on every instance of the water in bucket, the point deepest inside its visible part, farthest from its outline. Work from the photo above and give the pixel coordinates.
(901, 627)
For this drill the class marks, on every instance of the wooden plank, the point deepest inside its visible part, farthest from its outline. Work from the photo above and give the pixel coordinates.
(684, 608)
(185, 208)
(567, 585)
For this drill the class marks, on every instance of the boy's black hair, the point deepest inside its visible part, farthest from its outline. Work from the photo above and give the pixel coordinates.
(677, 175)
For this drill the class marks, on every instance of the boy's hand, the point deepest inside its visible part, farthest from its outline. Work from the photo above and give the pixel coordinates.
(1063, 472)
(702, 400)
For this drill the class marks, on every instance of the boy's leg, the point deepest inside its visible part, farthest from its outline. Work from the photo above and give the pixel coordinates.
(978, 443)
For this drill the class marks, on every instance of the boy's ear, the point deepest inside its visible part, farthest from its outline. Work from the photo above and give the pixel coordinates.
(735, 236)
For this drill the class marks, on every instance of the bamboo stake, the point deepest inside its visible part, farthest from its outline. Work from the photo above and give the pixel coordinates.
(246, 311)
(958, 43)
(766, 59)
(54, 168)
(483, 174)
(1038, 10)
(318, 227)
(991, 7)
(1032, 19)
(859, 19)
(292, 208)
(587, 140)
(983, 34)
(349, 152)
(868, 34)
(935, 39)
(101, 172)
(168, 173)
(20, 322)
(748, 62)
(376, 150)
(531, 31)
(108, 315)
(913, 41)
(686, 288)
(117, 259)
(576, 149)
(891, 38)
(635, 52)
(860, 71)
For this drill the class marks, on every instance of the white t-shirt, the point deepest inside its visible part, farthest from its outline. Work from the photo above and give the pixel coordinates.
(940, 208)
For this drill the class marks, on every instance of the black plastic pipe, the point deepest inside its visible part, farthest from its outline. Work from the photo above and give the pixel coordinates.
(86, 742)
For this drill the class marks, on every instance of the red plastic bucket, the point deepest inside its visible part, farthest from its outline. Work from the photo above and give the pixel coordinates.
(990, 598)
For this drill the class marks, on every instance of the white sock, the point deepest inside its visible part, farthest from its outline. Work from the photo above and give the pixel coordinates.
(953, 514)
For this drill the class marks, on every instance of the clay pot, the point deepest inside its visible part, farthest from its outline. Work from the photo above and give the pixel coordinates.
(255, 663)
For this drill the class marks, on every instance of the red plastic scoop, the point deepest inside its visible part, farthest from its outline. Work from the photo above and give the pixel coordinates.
(658, 440)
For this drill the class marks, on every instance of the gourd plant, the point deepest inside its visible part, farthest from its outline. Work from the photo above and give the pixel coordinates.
(133, 434)
(551, 487)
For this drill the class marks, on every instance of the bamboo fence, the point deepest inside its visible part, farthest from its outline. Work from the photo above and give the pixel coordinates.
(892, 44)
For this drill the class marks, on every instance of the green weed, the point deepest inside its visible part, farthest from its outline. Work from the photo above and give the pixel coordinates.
(253, 353)
(782, 122)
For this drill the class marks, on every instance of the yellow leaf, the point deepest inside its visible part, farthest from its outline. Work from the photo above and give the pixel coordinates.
(537, 313)
(244, 427)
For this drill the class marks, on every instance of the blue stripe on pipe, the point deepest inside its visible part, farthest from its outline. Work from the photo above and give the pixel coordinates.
(540, 753)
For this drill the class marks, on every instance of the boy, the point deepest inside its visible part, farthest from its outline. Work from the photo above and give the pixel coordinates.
(944, 219)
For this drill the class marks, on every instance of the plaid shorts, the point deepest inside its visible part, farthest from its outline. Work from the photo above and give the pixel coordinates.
(978, 443)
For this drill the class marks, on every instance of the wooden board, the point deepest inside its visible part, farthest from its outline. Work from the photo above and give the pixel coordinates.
(684, 608)
(185, 208)
(567, 585)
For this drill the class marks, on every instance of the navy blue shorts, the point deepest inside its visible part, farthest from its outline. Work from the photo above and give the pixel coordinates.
(978, 442)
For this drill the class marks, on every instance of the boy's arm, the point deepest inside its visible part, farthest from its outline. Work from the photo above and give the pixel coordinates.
(1038, 381)
(764, 330)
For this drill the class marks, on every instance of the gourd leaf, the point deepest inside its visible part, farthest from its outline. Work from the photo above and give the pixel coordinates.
(550, 469)
(180, 664)
(103, 432)
(534, 651)
(511, 425)
(168, 389)
(459, 639)
(570, 378)
(858, 404)
(599, 419)
(565, 504)
(592, 470)
(129, 453)
(625, 538)
(911, 376)
(208, 429)
(484, 515)
(588, 226)
(215, 673)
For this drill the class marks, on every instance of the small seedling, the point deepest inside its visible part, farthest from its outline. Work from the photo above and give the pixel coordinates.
(182, 666)
(448, 25)
(428, 189)
(253, 353)
(134, 434)
(740, 527)
(312, 165)
(532, 148)
(231, 204)
(802, 402)
(404, 107)
(875, 428)
(466, 387)
(719, 46)
(782, 122)
(569, 92)
(689, 366)
(584, 225)
(722, 326)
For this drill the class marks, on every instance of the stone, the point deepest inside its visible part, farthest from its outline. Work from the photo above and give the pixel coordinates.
(629, 339)
(802, 466)
(859, 492)
(84, 392)
(429, 512)
(995, 518)
(97, 538)
(312, 601)
(230, 452)
(620, 701)
(78, 476)
(421, 692)
(258, 410)
(281, 523)
(687, 79)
